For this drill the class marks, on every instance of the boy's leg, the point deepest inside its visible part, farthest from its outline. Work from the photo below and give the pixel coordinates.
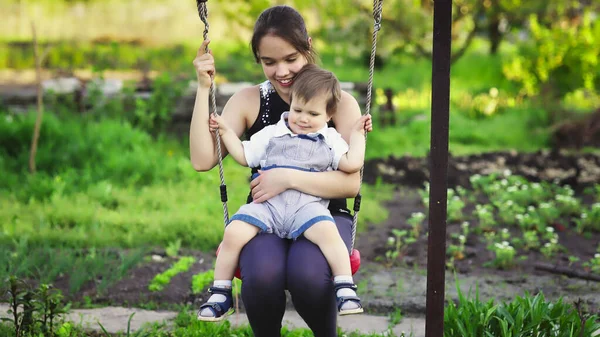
(325, 235)
(237, 234)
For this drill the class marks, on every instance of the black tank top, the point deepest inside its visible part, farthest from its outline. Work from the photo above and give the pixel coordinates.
(271, 108)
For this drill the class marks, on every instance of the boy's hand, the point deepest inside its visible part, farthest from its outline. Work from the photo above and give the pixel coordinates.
(217, 122)
(364, 124)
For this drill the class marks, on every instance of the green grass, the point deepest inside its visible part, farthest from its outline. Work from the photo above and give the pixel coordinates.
(158, 214)
(104, 184)
(512, 130)
(45, 264)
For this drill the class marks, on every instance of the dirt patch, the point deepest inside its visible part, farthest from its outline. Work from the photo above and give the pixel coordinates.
(410, 174)
(578, 132)
(373, 247)
(577, 170)
(133, 290)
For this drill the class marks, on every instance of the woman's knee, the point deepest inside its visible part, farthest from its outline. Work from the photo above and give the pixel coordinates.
(262, 263)
(307, 268)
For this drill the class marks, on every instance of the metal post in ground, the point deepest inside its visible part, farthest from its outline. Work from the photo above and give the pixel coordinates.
(438, 156)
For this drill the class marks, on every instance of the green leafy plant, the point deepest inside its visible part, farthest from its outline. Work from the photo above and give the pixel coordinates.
(416, 222)
(33, 311)
(397, 246)
(159, 281)
(173, 248)
(395, 317)
(524, 316)
(504, 255)
(593, 264)
(202, 280)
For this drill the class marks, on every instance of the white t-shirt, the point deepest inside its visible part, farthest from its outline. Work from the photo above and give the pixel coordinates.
(255, 149)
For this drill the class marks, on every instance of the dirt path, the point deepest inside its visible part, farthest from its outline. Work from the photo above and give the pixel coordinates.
(114, 320)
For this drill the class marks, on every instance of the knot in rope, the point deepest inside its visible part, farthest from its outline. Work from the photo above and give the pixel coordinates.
(203, 13)
(377, 10)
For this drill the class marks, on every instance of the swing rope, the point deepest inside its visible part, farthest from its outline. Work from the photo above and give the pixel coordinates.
(377, 10)
(203, 12)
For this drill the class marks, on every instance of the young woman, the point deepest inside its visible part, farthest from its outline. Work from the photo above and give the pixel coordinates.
(281, 45)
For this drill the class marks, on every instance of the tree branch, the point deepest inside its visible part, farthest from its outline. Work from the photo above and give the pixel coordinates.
(458, 54)
(40, 106)
(567, 272)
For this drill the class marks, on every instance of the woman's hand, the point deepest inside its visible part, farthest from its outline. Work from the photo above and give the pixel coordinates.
(270, 183)
(205, 65)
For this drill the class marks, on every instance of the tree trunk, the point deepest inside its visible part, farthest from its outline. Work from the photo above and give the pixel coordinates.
(40, 106)
(494, 34)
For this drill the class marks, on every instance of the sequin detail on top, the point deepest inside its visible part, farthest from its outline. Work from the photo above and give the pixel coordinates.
(271, 108)
(266, 89)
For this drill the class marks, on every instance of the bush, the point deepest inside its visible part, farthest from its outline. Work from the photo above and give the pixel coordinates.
(561, 58)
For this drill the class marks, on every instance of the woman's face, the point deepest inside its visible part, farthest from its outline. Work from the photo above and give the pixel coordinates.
(280, 62)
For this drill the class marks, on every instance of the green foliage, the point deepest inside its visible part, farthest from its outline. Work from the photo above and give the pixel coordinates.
(154, 114)
(75, 152)
(524, 316)
(72, 55)
(561, 57)
(202, 280)
(172, 249)
(47, 264)
(516, 216)
(161, 280)
(34, 311)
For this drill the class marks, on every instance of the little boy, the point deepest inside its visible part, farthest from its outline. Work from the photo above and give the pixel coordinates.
(300, 140)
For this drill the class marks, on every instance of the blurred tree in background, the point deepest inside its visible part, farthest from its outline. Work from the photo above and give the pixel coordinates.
(554, 44)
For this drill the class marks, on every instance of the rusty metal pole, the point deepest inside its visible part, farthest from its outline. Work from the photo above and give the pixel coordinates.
(440, 100)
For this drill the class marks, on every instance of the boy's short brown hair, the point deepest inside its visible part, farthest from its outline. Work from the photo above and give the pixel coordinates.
(312, 81)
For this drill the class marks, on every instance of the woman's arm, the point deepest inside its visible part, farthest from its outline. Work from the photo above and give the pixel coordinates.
(203, 149)
(328, 185)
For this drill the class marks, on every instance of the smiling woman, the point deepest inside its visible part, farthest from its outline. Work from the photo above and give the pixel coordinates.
(269, 264)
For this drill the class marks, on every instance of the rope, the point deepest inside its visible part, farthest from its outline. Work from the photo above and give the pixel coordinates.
(203, 12)
(377, 9)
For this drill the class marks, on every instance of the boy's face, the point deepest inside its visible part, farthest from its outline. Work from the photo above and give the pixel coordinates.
(308, 117)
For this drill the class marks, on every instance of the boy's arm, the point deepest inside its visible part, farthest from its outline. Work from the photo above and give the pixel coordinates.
(232, 142)
(353, 159)
(234, 146)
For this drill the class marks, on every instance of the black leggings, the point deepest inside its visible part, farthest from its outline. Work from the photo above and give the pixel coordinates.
(269, 265)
